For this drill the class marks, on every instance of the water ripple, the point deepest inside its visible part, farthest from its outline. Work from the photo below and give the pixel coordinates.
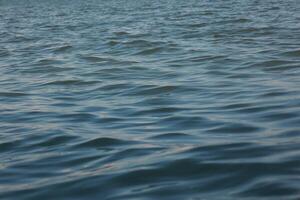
(149, 99)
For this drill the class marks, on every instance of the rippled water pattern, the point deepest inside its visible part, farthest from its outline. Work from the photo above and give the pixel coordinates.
(148, 99)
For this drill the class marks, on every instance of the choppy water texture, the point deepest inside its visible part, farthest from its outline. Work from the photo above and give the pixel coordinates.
(148, 99)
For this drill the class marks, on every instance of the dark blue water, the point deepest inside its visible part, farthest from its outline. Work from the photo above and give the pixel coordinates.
(148, 99)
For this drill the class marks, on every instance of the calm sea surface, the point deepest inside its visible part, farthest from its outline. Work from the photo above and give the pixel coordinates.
(149, 99)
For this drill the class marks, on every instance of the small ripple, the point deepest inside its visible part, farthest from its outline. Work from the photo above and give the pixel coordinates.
(121, 33)
(79, 160)
(187, 122)
(234, 128)
(63, 49)
(46, 69)
(272, 94)
(117, 86)
(267, 189)
(142, 43)
(4, 53)
(196, 25)
(13, 94)
(258, 30)
(106, 60)
(71, 82)
(78, 117)
(277, 116)
(8, 146)
(102, 142)
(276, 65)
(55, 141)
(150, 51)
(237, 106)
(113, 42)
(173, 136)
(97, 59)
(156, 90)
(158, 111)
(293, 53)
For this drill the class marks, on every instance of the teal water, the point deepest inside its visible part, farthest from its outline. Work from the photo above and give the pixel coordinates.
(149, 99)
